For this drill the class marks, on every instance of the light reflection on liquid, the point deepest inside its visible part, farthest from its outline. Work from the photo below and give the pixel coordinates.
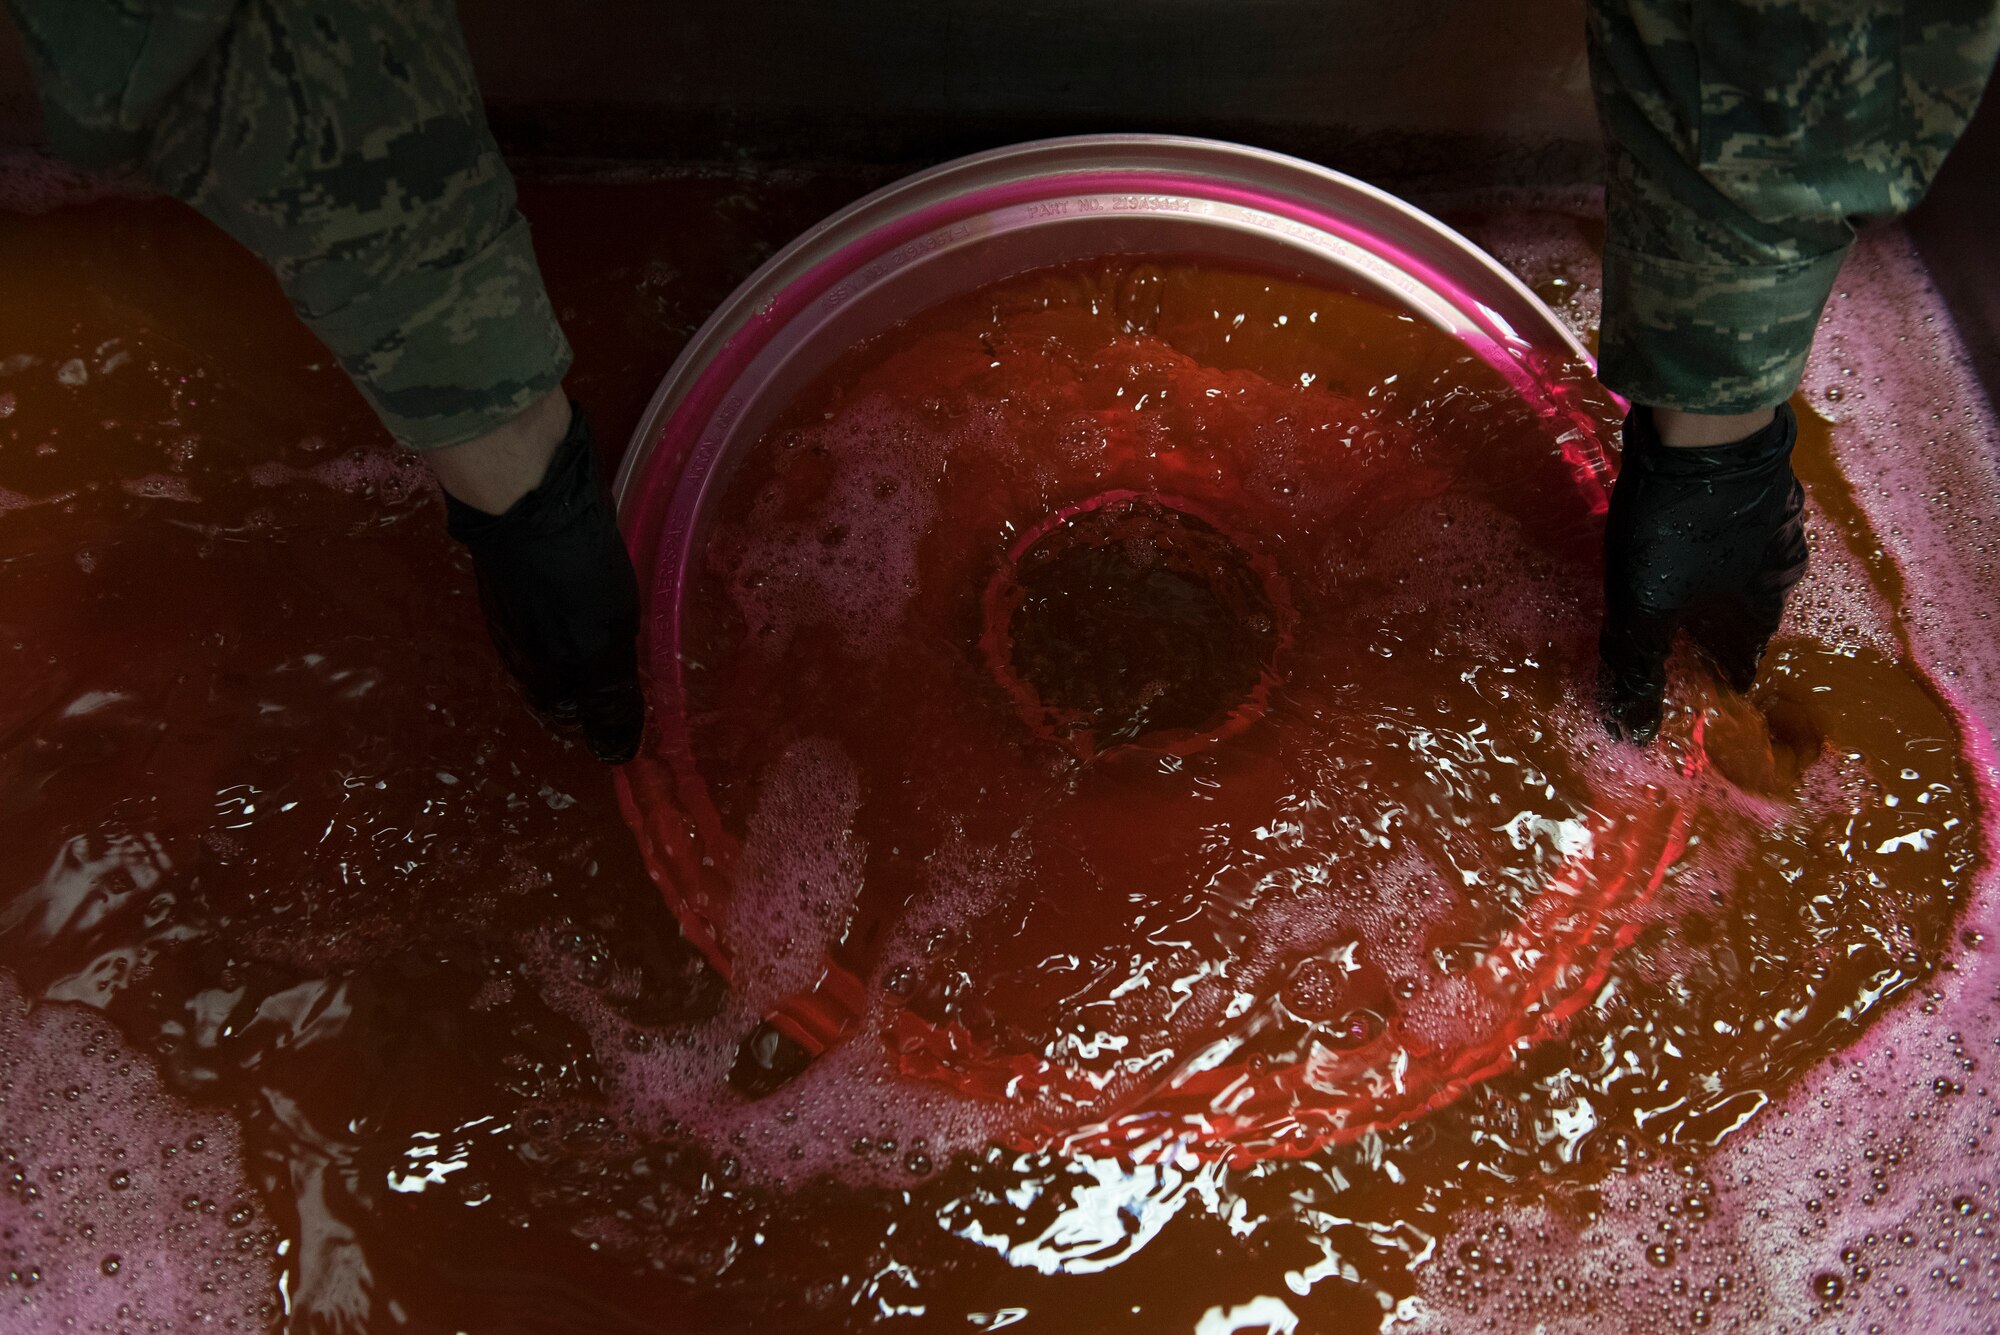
(395, 943)
(1406, 871)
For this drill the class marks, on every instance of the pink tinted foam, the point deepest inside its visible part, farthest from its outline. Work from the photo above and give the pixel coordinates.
(1867, 1198)
(123, 1208)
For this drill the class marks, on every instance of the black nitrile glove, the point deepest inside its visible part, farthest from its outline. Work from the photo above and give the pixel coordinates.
(560, 597)
(1709, 538)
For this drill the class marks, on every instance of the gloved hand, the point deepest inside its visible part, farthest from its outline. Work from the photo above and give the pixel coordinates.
(560, 597)
(1709, 538)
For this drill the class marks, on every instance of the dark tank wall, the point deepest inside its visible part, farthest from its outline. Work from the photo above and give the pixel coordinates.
(1423, 85)
(1433, 85)
(1953, 230)
(1421, 93)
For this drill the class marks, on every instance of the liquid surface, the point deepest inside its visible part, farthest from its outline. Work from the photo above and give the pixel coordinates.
(1330, 921)
(289, 872)
(1135, 621)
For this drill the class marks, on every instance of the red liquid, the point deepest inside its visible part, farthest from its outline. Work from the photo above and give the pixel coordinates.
(392, 950)
(1403, 873)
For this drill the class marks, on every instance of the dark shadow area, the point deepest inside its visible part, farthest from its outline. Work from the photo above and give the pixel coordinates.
(1953, 229)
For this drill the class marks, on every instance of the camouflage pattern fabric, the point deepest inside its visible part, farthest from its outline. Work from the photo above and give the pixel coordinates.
(346, 145)
(1747, 140)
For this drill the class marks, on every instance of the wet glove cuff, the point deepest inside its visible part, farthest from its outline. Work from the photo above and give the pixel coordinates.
(560, 597)
(564, 496)
(1762, 453)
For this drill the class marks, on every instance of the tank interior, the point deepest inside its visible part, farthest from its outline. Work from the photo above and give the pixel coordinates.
(335, 994)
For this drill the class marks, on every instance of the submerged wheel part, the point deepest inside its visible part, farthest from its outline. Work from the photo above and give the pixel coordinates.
(1133, 623)
(1137, 622)
(1279, 1075)
(1134, 620)
(1282, 1081)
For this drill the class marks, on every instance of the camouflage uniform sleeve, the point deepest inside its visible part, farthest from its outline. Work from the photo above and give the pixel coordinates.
(1747, 138)
(343, 142)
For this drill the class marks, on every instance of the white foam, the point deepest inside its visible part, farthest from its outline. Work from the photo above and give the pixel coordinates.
(852, 562)
(1866, 1198)
(121, 1207)
(799, 873)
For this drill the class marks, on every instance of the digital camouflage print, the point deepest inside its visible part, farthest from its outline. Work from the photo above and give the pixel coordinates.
(1747, 139)
(343, 142)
